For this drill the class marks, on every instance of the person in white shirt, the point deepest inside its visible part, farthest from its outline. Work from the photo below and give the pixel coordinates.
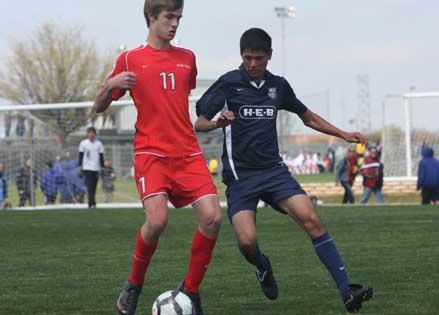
(91, 159)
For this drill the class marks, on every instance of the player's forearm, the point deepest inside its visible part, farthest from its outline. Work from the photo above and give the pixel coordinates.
(204, 125)
(103, 98)
(318, 123)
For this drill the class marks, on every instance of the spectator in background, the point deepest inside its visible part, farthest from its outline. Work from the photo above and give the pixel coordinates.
(3, 187)
(108, 178)
(342, 177)
(213, 166)
(25, 184)
(360, 150)
(428, 177)
(353, 165)
(74, 178)
(330, 156)
(317, 160)
(61, 182)
(91, 159)
(373, 174)
(48, 184)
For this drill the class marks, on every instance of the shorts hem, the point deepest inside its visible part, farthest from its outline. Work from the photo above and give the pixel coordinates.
(204, 196)
(154, 194)
(290, 194)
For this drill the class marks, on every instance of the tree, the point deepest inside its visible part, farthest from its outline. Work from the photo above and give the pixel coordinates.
(57, 65)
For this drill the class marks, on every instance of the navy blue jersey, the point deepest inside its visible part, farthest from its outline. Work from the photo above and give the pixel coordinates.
(250, 142)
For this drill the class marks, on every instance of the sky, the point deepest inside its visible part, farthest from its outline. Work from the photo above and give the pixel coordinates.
(328, 43)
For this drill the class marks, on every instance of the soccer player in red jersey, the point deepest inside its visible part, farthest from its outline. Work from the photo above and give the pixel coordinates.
(168, 161)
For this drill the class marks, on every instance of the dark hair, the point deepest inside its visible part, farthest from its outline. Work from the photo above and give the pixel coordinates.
(91, 129)
(154, 7)
(255, 39)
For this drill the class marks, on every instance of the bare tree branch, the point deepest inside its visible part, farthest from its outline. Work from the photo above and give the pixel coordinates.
(56, 65)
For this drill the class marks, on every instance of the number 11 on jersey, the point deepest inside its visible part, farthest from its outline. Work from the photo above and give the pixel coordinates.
(165, 76)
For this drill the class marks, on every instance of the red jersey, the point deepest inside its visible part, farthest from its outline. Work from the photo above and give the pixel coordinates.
(161, 96)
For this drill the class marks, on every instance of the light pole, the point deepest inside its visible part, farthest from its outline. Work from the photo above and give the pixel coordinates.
(283, 13)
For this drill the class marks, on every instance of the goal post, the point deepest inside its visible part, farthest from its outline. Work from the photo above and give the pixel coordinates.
(406, 129)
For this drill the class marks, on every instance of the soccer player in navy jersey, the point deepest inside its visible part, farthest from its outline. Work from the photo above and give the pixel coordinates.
(249, 100)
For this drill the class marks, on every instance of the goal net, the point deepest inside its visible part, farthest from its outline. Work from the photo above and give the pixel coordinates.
(36, 138)
(409, 122)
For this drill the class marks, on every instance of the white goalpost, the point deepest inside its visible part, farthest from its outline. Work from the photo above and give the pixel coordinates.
(407, 127)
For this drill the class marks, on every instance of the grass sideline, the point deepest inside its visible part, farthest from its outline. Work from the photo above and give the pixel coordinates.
(74, 262)
(126, 191)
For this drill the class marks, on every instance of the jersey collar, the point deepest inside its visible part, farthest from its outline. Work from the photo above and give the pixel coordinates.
(247, 78)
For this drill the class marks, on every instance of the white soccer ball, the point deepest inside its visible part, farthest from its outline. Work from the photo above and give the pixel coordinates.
(172, 303)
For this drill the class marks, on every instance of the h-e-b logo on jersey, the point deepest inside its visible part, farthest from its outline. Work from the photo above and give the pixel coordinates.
(257, 112)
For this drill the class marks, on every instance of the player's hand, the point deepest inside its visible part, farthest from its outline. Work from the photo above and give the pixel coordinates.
(124, 80)
(225, 119)
(356, 137)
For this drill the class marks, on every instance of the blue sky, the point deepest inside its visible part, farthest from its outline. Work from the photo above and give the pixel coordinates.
(328, 43)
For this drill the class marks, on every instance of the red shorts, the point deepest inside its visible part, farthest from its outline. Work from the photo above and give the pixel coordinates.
(184, 180)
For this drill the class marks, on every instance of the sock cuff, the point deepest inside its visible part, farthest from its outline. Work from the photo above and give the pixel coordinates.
(203, 240)
(145, 247)
(325, 238)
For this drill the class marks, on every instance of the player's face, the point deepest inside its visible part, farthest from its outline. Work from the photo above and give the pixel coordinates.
(165, 24)
(91, 136)
(255, 62)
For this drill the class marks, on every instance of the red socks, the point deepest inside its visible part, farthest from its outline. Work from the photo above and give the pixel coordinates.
(141, 259)
(201, 254)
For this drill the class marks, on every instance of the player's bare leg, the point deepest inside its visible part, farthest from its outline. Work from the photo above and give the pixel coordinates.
(300, 208)
(209, 217)
(156, 211)
(244, 225)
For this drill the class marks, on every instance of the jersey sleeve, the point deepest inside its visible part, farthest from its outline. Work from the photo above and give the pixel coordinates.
(193, 78)
(101, 148)
(212, 101)
(119, 66)
(81, 147)
(290, 102)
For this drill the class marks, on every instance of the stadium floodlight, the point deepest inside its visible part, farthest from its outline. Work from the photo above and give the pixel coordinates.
(284, 12)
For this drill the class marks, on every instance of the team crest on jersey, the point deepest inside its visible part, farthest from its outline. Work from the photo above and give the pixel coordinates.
(272, 92)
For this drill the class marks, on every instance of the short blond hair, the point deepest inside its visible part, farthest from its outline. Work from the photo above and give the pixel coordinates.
(154, 7)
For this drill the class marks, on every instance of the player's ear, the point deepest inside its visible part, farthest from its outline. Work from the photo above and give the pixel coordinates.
(151, 19)
(270, 53)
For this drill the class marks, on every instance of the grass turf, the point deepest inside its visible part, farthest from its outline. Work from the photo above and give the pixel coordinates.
(74, 262)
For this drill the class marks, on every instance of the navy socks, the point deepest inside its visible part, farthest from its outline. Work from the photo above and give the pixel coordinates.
(256, 259)
(328, 254)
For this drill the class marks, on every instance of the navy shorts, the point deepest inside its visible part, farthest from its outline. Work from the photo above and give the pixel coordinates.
(270, 185)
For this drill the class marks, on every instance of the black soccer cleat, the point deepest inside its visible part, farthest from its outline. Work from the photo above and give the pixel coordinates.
(127, 301)
(267, 281)
(195, 298)
(357, 294)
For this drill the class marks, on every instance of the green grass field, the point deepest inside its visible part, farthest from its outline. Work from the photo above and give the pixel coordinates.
(74, 262)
